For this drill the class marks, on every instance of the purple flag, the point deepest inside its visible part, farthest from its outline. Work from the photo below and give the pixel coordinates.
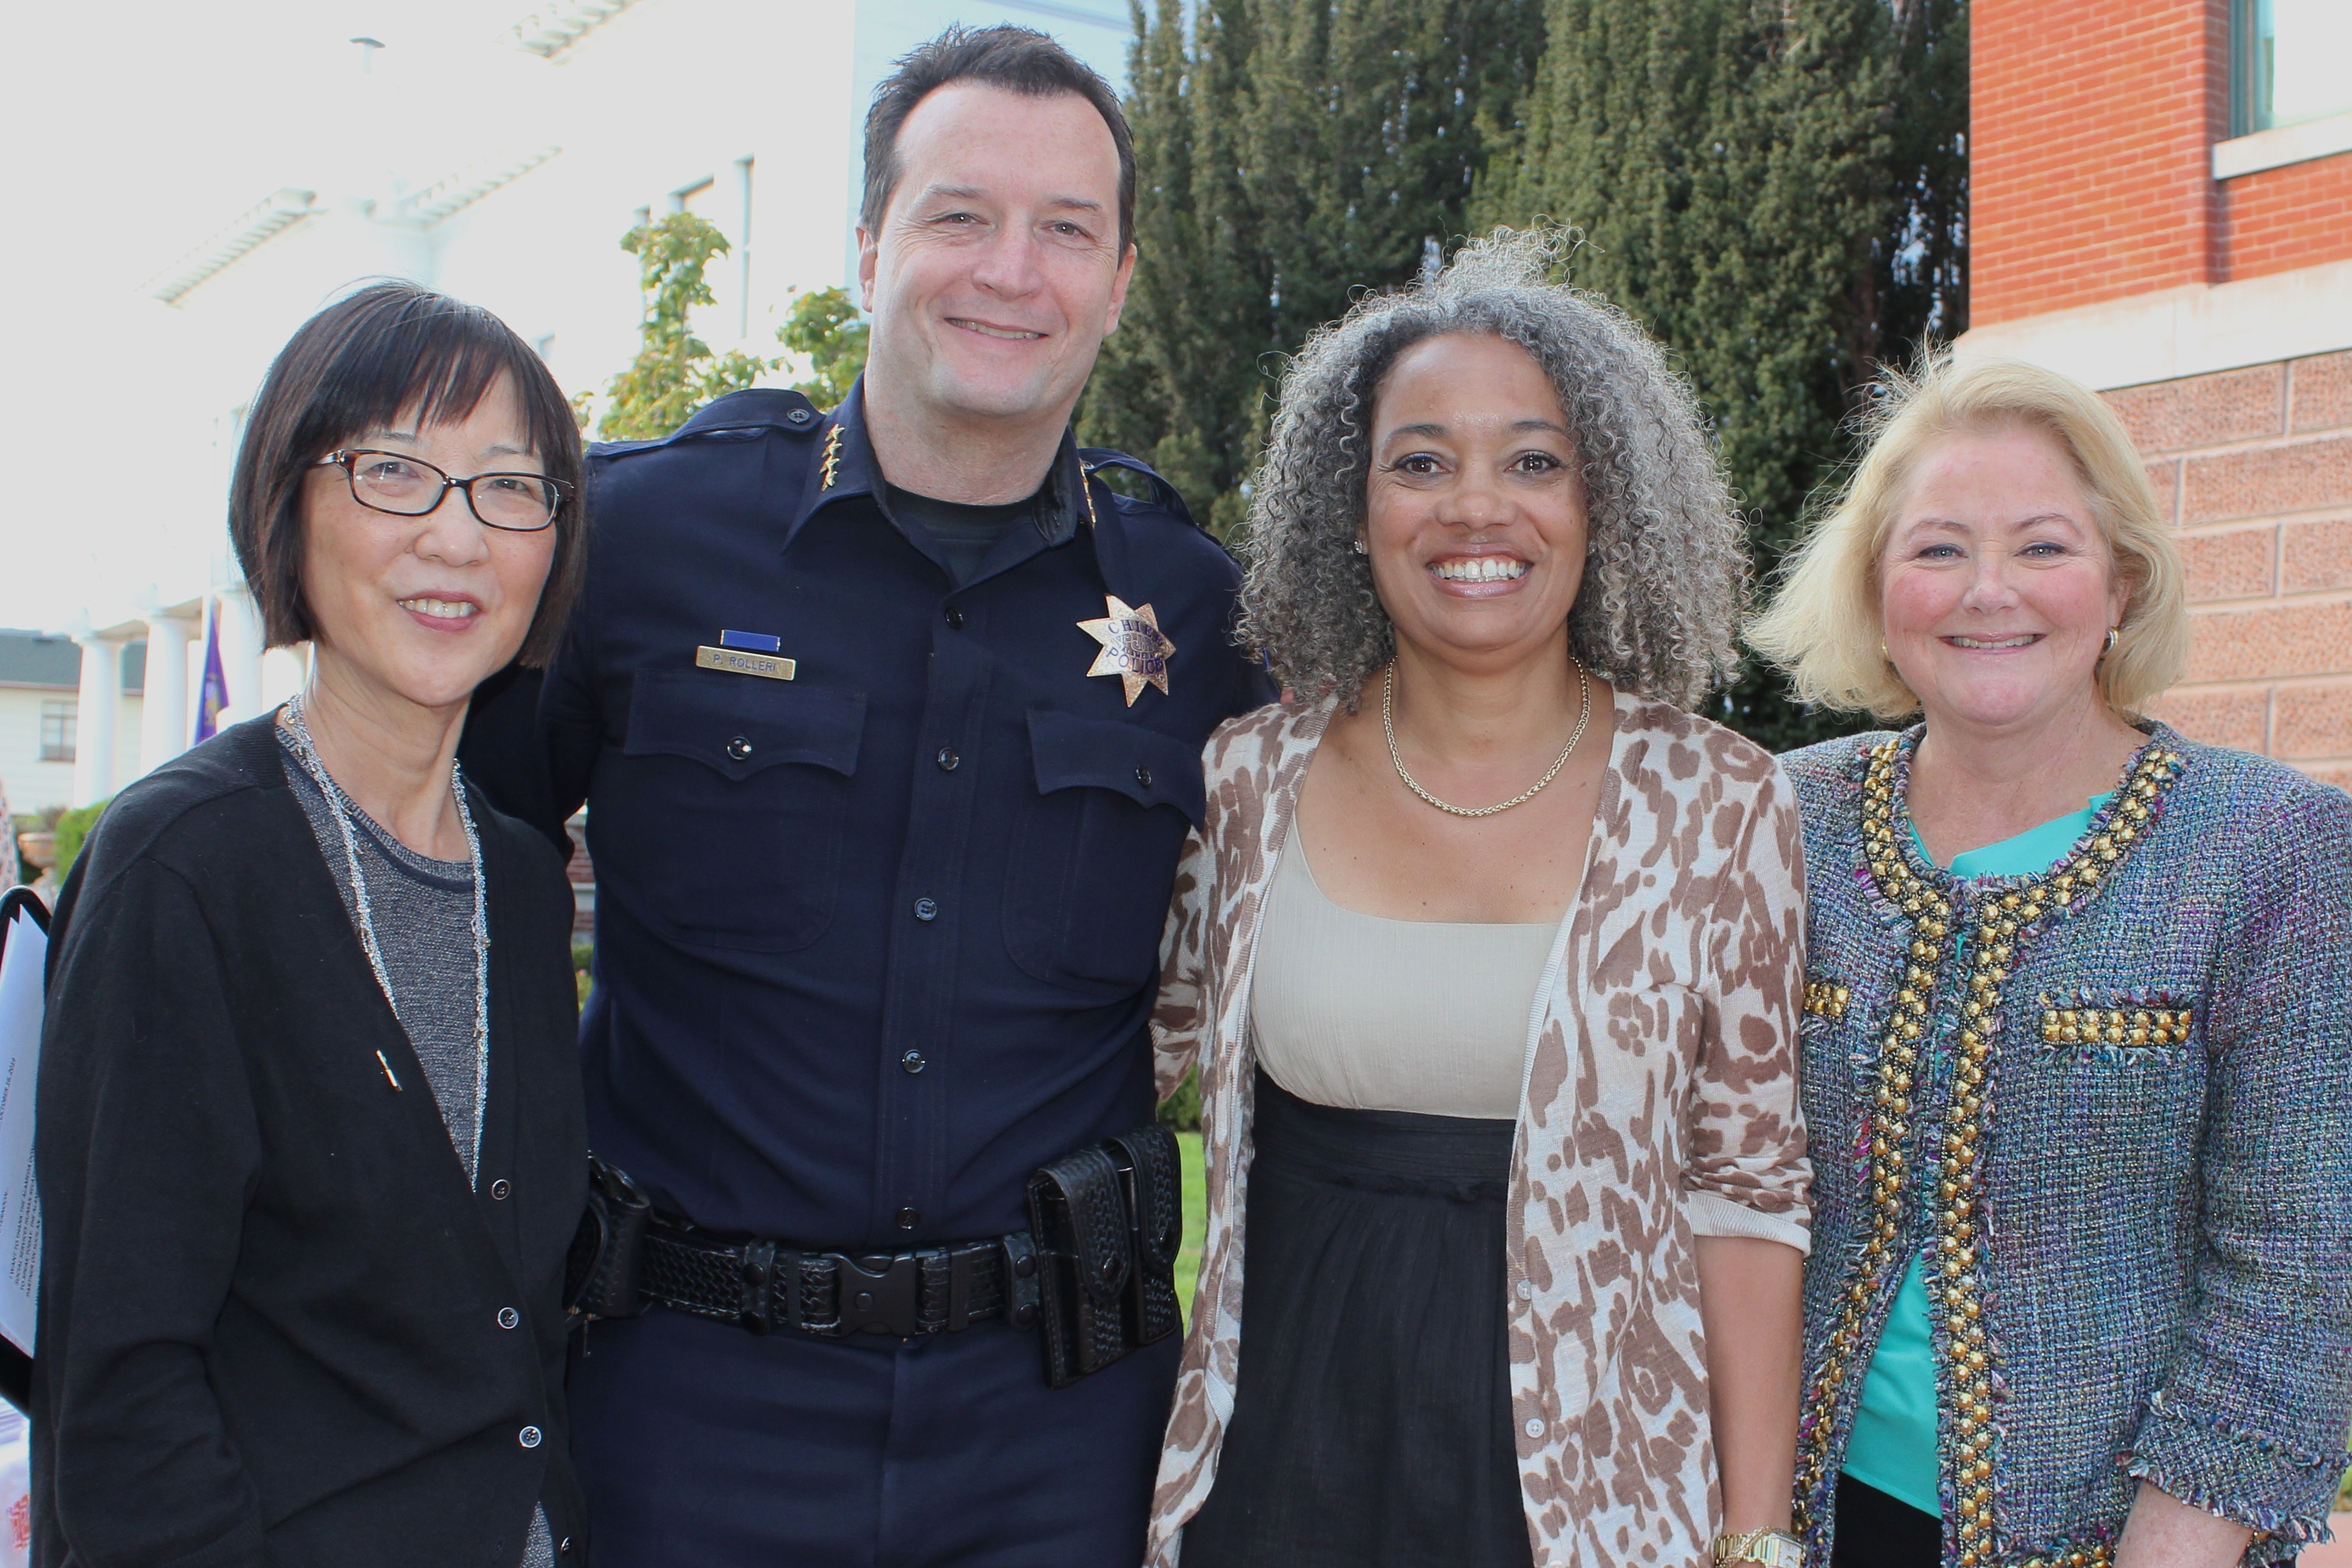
(213, 695)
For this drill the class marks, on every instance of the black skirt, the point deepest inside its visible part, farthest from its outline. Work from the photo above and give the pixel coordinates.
(1372, 1419)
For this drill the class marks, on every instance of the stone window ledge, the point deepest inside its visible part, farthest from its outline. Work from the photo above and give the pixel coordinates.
(2287, 144)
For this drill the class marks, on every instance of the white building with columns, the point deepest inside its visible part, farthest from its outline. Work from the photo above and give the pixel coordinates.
(505, 174)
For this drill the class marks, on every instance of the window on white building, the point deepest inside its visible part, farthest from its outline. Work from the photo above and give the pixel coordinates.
(57, 729)
(2292, 62)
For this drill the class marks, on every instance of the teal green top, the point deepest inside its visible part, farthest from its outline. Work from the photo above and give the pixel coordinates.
(1894, 1444)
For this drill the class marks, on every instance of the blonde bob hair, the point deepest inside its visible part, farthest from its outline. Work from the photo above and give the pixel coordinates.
(1823, 628)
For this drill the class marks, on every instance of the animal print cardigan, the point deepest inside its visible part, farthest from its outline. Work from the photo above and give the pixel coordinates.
(1658, 1102)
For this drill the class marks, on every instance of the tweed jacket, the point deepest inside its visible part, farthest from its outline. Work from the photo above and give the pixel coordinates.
(1658, 1101)
(2112, 1103)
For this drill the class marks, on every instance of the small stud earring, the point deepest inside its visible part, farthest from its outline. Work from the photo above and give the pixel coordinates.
(2115, 636)
(1360, 549)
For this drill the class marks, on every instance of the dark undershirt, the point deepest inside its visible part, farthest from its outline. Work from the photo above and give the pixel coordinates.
(965, 534)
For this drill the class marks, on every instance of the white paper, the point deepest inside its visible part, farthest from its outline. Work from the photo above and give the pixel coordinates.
(20, 1060)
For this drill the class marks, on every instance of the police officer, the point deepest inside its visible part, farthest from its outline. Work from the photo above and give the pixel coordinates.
(890, 723)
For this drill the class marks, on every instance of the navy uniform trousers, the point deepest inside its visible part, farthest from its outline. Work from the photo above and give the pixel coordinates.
(874, 942)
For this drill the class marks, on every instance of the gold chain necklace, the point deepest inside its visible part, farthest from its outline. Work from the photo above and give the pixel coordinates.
(1388, 726)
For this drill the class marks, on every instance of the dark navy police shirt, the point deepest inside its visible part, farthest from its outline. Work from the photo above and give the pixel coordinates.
(876, 942)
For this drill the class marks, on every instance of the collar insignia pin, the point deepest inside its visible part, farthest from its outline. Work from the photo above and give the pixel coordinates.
(832, 459)
(1133, 647)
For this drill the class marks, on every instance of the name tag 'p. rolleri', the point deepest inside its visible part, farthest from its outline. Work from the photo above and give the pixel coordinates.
(746, 653)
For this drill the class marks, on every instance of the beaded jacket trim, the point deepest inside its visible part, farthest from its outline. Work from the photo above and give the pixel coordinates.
(1898, 1142)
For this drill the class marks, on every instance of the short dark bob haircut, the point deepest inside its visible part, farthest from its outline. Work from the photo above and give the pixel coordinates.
(1017, 60)
(389, 349)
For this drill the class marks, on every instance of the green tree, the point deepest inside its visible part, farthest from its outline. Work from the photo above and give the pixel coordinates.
(825, 326)
(1291, 152)
(73, 829)
(1777, 189)
(675, 372)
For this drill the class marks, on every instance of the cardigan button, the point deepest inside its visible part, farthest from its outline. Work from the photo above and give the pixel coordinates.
(500, 1189)
(508, 1317)
(529, 1437)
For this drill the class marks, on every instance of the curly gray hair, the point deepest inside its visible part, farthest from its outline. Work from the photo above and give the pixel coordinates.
(1665, 569)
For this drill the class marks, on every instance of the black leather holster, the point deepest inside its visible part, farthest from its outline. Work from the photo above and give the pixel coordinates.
(601, 1275)
(1108, 1220)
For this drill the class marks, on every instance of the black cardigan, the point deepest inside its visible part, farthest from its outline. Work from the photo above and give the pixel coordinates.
(270, 1326)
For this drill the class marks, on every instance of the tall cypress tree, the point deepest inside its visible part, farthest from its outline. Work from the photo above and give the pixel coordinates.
(1777, 189)
(1290, 152)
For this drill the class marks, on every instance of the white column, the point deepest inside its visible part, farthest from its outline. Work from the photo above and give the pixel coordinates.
(163, 711)
(100, 700)
(240, 639)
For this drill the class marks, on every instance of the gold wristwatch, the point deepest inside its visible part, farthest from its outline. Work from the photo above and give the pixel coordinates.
(1771, 1548)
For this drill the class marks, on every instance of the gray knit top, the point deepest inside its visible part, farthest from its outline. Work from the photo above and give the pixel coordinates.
(423, 911)
(2111, 1102)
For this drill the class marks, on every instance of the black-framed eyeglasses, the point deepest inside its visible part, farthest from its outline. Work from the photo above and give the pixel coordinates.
(411, 487)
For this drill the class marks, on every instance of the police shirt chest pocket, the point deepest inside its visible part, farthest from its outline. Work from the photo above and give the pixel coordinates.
(1093, 855)
(731, 791)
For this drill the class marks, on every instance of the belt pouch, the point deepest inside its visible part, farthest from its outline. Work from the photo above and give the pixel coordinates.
(1080, 1222)
(1150, 1172)
(600, 1273)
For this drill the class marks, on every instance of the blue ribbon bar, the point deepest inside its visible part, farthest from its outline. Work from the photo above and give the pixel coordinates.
(752, 642)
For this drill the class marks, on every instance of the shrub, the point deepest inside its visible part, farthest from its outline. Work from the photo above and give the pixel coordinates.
(72, 828)
(1180, 1111)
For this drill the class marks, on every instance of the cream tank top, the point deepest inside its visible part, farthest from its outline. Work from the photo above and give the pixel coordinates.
(1368, 1014)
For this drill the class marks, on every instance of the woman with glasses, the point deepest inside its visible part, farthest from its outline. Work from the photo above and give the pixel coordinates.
(310, 1146)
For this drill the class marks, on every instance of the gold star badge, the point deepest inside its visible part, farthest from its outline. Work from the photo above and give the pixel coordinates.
(1133, 647)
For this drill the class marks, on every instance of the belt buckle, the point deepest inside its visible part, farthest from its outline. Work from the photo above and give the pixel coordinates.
(879, 1293)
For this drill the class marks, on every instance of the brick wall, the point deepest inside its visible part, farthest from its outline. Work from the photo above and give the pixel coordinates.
(2089, 135)
(2256, 467)
(2277, 219)
(2091, 131)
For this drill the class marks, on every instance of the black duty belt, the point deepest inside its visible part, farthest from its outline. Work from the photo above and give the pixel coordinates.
(1096, 1270)
(763, 1285)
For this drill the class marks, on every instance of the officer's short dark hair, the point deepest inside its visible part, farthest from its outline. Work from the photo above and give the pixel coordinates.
(1017, 60)
(354, 368)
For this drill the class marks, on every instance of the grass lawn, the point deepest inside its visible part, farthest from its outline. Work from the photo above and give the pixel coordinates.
(1196, 1221)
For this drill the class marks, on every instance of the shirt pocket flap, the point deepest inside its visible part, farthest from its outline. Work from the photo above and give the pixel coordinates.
(739, 725)
(1149, 768)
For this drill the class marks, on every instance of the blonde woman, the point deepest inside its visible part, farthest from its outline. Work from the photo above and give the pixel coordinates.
(1488, 954)
(2077, 1057)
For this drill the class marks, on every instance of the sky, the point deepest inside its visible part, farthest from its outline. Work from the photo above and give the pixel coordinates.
(132, 129)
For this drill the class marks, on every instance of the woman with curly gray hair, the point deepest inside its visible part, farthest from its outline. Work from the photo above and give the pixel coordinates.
(1488, 951)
